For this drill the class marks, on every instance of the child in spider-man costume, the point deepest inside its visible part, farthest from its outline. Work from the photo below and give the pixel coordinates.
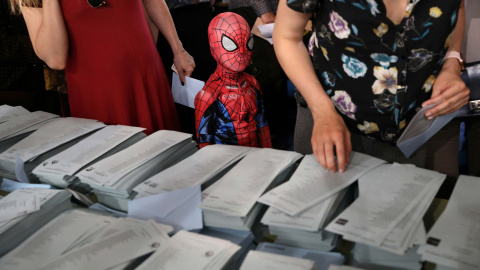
(229, 109)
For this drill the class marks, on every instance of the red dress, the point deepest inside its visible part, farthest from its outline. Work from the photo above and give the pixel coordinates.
(114, 72)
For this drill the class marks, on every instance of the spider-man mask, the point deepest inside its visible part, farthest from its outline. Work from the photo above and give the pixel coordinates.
(230, 41)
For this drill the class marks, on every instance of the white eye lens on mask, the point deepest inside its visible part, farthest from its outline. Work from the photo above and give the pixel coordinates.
(228, 44)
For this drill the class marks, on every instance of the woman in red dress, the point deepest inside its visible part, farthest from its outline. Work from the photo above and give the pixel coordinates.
(113, 70)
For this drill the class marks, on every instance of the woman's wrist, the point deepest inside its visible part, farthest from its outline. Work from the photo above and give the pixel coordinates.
(453, 65)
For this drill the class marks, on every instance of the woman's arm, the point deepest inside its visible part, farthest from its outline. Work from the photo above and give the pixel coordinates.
(48, 33)
(158, 12)
(330, 133)
(449, 90)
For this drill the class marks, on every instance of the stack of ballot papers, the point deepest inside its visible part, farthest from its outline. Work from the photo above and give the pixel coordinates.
(231, 202)
(454, 240)
(187, 250)
(263, 260)
(203, 168)
(114, 177)
(7, 112)
(60, 169)
(18, 161)
(300, 208)
(393, 199)
(306, 229)
(313, 184)
(83, 239)
(24, 211)
(374, 258)
(244, 239)
(322, 259)
(19, 124)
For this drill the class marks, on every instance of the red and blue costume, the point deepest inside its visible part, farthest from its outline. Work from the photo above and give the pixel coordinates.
(229, 109)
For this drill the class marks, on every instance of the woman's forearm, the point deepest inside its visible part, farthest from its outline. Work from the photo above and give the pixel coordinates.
(159, 14)
(295, 60)
(48, 33)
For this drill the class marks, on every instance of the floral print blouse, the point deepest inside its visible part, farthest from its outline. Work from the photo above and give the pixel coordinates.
(378, 73)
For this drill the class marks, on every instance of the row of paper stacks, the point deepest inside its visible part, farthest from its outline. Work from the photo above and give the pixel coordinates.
(87, 239)
(163, 177)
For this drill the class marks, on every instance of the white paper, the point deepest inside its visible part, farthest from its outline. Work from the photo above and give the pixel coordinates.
(262, 260)
(421, 129)
(50, 136)
(194, 170)
(179, 208)
(185, 94)
(387, 195)
(71, 160)
(17, 204)
(119, 244)
(454, 240)
(9, 112)
(22, 122)
(83, 240)
(236, 193)
(322, 259)
(20, 170)
(311, 183)
(266, 30)
(109, 170)
(188, 250)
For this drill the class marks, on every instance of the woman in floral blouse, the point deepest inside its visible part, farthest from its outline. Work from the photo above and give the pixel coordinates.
(375, 63)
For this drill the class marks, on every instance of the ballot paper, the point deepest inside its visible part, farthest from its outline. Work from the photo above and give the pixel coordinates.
(311, 183)
(188, 250)
(306, 229)
(197, 169)
(79, 239)
(454, 240)
(49, 204)
(373, 258)
(118, 174)
(421, 129)
(244, 239)
(237, 192)
(179, 208)
(49, 137)
(311, 220)
(322, 259)
(21, 123)
(56, 169)
(108, 171)
(8, 112)
(263, 260)
(18, 204)
(185, 94)
(387, 195)
(266, 30)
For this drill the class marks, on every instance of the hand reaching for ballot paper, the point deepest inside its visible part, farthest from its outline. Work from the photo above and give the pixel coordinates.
(449, 91)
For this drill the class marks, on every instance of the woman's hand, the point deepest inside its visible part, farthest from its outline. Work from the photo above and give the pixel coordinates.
(329, 136)
(449, 91)
(184, 64)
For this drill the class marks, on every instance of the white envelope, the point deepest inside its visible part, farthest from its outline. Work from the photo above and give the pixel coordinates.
(421, 129)
(179, 208)
(185, 94)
